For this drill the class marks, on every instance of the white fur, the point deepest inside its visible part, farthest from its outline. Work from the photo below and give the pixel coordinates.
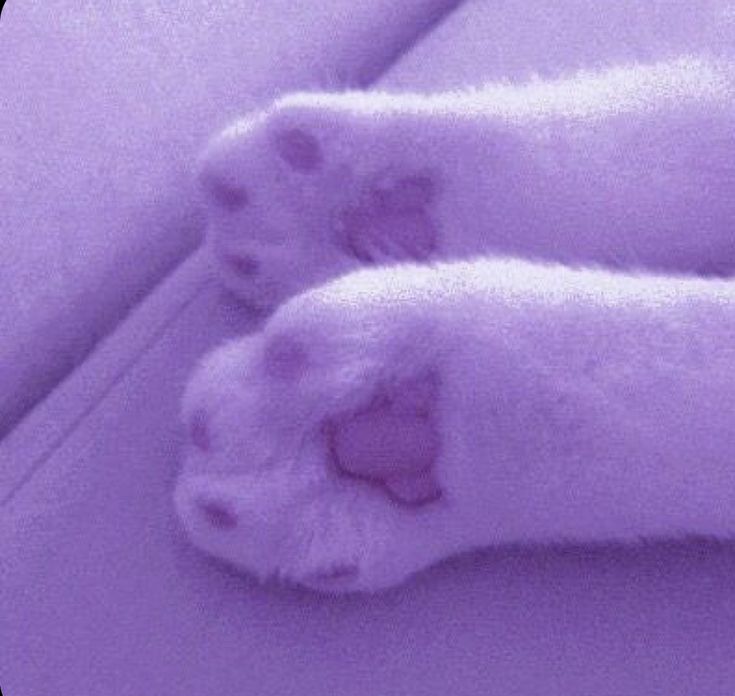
(575, 404)
(630, 167)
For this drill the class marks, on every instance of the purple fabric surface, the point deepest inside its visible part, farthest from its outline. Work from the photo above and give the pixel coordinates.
(548, 38)
(102, 116)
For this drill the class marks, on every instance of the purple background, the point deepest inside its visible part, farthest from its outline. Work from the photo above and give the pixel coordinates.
(99, 591)
(103, 111)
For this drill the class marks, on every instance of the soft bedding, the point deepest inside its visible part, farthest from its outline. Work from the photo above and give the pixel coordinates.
(103, 113)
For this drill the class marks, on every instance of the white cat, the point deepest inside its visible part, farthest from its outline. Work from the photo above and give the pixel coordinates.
(393, 416)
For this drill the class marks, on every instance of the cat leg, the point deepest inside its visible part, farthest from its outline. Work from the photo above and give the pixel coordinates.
(400, 415)
(615, 168)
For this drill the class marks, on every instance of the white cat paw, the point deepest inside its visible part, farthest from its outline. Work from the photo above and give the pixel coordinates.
(315, 447)
(310, 189)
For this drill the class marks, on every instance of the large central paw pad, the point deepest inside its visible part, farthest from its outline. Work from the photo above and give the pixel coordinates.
(394, 441)
(392, 221)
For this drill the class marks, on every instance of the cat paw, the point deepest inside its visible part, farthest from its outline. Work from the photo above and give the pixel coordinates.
(312, 188)
(315, 447)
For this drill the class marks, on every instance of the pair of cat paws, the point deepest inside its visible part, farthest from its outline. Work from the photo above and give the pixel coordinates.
(313, 445)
